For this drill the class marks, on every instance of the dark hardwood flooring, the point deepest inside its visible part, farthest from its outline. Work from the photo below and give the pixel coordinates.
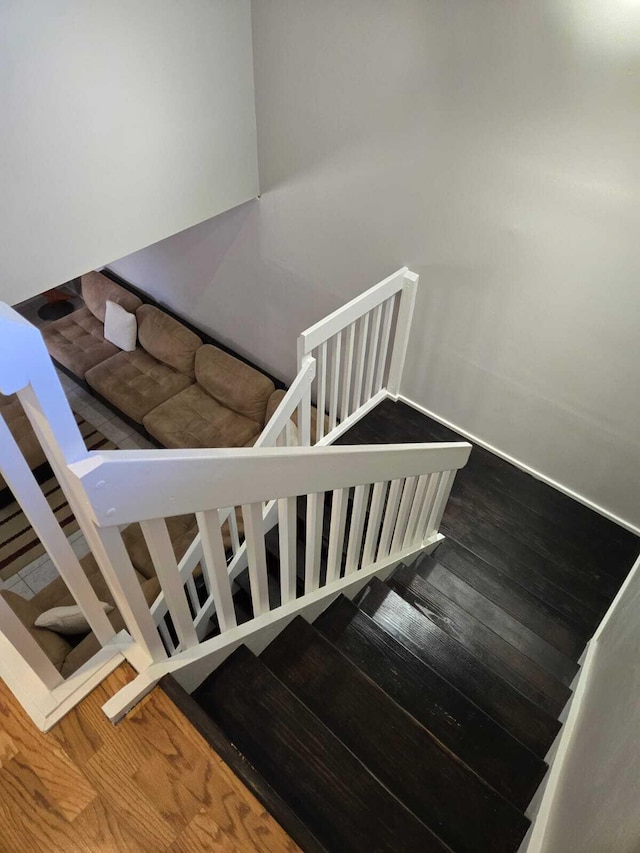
(418, 716)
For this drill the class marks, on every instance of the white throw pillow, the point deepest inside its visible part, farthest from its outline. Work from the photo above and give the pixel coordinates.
(120, 327)
(67, 620)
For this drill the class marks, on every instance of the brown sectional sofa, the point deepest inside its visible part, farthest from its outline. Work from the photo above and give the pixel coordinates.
(182, 392)
(77, 341)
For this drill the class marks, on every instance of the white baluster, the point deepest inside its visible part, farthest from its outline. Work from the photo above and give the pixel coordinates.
(390, 516)
(373, 352)
(346, 389)
(335, 381)
(215, 567)
(375, 520)
(339, 504)
(356, 529)
(440, 503)
(315, 520)
(254, 537)
(384, 344)
(361, 356)
(416, 510)
(408, 493)
(321, 389)
(287, 533)
(428, 504)
(159, 544)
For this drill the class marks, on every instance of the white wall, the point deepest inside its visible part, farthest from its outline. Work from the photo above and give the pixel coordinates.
(490, 146)
(596, 807)
(122, 122)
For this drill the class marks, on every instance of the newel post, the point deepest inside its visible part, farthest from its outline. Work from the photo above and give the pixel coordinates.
(401, 335)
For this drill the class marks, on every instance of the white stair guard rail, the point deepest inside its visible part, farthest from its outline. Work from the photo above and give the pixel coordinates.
(385, 507)
(367, 508)
(348, 362)
(360, 351)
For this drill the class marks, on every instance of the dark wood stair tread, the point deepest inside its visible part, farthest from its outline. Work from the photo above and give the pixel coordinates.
(535, 612)
(478, 740)
(576, 522)
(521, 672)
(332, 792)
(490, 544)
(576, 565)
(494, 617)
(425, 776)
(482, 685)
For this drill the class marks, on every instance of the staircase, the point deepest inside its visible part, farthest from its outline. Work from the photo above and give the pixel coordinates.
(378, 686)
(418, 716)
(407, 719)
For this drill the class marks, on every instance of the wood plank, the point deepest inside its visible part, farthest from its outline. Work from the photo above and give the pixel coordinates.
(330, 790)
(520, 671)
(537, 613)
(501, 623)
(433, 646)
(481, 743)
(402, 754)
(90, 786)
(576, 522)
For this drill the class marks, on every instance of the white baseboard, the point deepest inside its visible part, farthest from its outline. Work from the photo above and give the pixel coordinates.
(523, 466)
(541, 807)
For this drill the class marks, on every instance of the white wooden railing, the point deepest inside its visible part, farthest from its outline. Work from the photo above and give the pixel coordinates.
(386, 504)
(367, 508)
(347, 363)
(360, 351)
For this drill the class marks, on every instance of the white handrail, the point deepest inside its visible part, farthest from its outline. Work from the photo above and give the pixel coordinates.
(134, 485)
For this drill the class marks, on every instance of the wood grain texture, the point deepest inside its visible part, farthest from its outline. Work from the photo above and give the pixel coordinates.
(149, 784)
(495, 618)
(429, 779)
(536, 613)
(343, 805)
(499, 699)
(527, 676)
(483, 745)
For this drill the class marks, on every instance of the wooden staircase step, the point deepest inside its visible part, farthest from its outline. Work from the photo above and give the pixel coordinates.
(525, 720)
(468, 528)
(330, 790)
(536, 613)
(572, 560)
(495, 547)
(494, 617)
(426, 777)
(576, 522)
(520, 671)
(478, 740)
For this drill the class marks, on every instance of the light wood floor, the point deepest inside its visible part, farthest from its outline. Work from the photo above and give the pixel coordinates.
(151, 783)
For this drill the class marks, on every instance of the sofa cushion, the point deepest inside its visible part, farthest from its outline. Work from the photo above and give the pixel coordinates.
(56, 593)
(120, 327)
(167, 340)
(89, 646)
(77, 341)
(13, 414)
(181, 528)
(97, 288)
(233, 383)
(194, 419)
(274, 401)
(136, 383)
(53, 645)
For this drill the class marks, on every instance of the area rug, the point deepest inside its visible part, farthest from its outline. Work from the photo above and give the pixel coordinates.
(19, 545)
